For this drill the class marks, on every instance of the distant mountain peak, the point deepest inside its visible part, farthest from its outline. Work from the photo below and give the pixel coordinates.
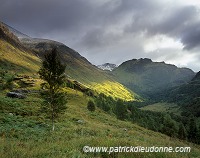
(147, 77)
(107, 66)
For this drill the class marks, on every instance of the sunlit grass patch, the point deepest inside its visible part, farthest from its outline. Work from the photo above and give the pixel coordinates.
(116, 90)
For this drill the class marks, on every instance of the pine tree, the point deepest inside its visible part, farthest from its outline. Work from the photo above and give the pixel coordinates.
(121, 110)
(104, 102)
(91, 106)
(198, 136)
(52, 72)
(182, 134)
(134, 114)
(193, 130)
(169, 126)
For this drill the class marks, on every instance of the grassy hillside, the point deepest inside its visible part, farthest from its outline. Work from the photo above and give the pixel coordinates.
(25, 131)
(14, 57)
(115, 90)
(78, 67)
(17, 61)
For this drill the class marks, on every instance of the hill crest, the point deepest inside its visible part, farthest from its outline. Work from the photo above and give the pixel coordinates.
(146, 77)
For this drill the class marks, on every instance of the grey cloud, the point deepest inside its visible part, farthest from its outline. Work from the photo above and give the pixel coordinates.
(94, 38)
(106, 29)
(191, 36)
(178, 23)
(46, 15)
(175, 21)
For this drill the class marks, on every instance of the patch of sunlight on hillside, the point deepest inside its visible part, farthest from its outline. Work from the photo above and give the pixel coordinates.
(27, 62)
(115, 90)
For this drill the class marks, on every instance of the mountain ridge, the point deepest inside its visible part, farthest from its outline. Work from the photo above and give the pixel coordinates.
(145, 76)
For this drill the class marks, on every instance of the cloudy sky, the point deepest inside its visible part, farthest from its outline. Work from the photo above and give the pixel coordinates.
(114, 30)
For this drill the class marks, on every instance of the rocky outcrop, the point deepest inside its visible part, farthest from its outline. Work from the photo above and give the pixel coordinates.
(15, 95)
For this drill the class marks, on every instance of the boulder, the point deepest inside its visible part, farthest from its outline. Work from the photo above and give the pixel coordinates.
(11, 114)
(80, 121)
(15, 95)
(21, 91)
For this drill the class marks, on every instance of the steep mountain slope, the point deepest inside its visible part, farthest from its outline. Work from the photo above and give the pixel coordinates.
(14, 56)
(27, 53)
(187, 96)
(147, 77)
(78, 67)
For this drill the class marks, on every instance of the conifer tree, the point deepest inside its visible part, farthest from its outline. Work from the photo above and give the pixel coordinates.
(182, 134)
(91, 106)
(169, 126)
(52, 72)
(198, 136)
(193, 130)
(121, 110)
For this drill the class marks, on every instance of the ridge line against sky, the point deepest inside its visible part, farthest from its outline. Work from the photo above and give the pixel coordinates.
(114, 30)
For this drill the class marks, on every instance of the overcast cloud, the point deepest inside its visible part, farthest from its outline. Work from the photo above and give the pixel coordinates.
(114, 30)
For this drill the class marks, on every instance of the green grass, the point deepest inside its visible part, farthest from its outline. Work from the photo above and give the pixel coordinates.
(25, 131)
(17, 61)
(115, 90)
(163, 107)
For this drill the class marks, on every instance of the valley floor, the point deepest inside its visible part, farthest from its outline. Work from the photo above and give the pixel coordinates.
(163, 107)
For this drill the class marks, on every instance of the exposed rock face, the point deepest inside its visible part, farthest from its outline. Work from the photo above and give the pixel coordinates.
(15, 95)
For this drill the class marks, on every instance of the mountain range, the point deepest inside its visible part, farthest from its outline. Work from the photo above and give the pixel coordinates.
(142, 76)
(132, 78)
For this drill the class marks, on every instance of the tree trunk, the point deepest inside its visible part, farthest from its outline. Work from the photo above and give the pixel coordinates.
(53, 126)
(52, 106)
